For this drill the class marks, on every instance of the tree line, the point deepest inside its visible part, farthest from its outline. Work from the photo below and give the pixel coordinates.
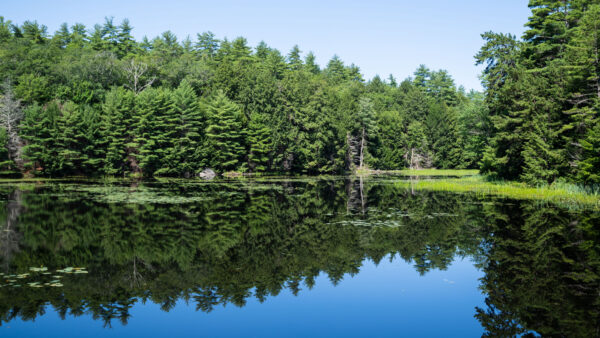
(97, 102)
(543, 94)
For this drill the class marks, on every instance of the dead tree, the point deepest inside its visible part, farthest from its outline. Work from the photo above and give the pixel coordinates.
(10, 116)
(135, 71)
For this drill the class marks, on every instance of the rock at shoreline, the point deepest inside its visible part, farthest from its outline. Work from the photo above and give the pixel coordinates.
(207, 174)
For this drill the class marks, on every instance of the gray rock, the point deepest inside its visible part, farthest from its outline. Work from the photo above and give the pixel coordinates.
(207, 174)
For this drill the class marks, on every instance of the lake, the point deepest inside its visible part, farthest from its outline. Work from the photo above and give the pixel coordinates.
(274, 257)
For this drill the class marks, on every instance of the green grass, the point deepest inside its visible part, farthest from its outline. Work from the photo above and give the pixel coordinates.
(561, 193)
(439, 172)
(421, 172)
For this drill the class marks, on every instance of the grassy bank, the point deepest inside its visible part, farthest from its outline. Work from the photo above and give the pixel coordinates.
(568, 194)
(421, 172)
(439, 172)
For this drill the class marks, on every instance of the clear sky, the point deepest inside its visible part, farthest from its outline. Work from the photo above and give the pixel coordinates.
(379, 36)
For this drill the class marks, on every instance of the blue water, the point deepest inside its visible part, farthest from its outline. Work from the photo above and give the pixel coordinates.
(390, 299)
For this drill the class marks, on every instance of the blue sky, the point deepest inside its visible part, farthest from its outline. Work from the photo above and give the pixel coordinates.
(381, 37)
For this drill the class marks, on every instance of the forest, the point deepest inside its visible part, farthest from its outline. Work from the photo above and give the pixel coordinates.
(93, 101)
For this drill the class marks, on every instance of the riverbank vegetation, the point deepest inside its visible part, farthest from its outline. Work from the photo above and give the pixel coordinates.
(93, 101)
(567, 194)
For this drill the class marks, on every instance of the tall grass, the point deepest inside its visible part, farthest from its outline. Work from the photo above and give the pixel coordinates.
(562, 193)
(422, 172)
(439, 172)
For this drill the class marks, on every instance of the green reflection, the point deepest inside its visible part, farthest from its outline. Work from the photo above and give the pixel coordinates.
(216, 243)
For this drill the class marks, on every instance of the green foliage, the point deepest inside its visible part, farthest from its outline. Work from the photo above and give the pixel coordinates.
(155, 122)
(117, 134)
(225, 243)
(224, 147)
(543, 94)
(39, 129)
(589, 166)
(190, 131)
(168, 107)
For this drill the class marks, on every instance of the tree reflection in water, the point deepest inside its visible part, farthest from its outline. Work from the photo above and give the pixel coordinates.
(223, 242)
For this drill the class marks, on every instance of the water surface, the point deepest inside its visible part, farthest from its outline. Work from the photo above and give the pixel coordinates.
(334, 256)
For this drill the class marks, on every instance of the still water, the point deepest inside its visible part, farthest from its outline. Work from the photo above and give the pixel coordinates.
(275, 257)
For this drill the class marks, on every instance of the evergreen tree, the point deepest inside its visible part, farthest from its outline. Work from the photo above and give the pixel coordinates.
(124, 41)
(422, 76)
(207, 45)
(294, 59)
(190, 130)
(391, 150)
(224, 147)
(504, 81)
(589, 166)
(39, 130)
(260, 142)
(442, 133)
(117, 128)
(311, 64)
(155, 124)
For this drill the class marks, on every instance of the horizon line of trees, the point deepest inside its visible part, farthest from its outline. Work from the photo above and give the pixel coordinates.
(98, 102)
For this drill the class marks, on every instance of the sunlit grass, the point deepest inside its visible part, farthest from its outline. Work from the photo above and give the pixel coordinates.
(562, 193)
(421, 172)
(439, 172)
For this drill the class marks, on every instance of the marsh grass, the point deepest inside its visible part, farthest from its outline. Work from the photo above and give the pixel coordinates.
(439, 172)
(566, 194)
(420, 172)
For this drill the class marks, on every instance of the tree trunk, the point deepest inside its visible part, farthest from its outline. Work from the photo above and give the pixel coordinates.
(362, 149)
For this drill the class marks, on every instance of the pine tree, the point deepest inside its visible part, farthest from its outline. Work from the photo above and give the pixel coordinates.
(504, 82)
(390, 152)
(40, 131)
(294, 59)
(259, 140)
(125, 43)
(422, 76)
(62, 37)
(190, 130)
(589, 167)
(442, 133)
(310, 63)
(207, 45)
(69, 137)
(583, 64)
(116, 129)
(155, 124)
(335, 70)
(224, 136)
(474, 127)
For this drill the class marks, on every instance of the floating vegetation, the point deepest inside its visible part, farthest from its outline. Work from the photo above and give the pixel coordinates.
(38, 269)
(136, 195)
(39, 277)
